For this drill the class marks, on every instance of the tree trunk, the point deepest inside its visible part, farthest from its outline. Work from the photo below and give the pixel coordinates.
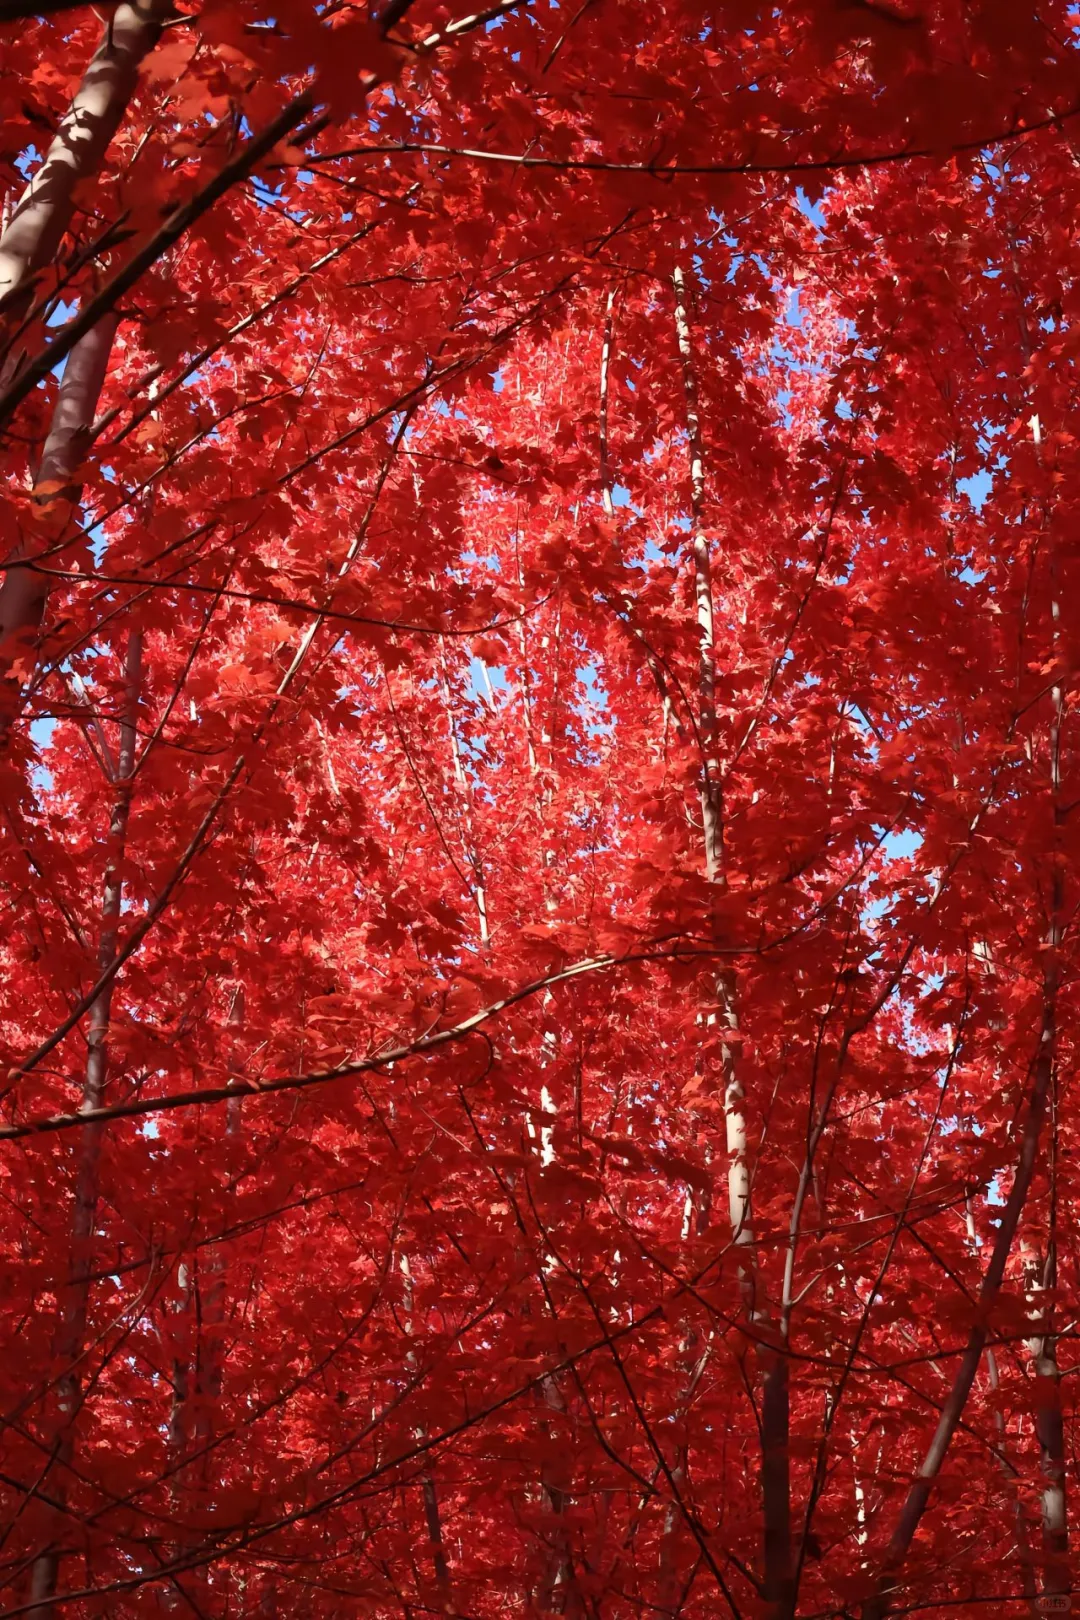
(919, 1492)
(57, 489)
(1041, 1278)
(72, 1329)
(775, 1406)
(42, 215)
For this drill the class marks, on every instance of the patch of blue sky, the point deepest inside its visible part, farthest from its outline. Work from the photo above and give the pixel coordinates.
(59, 315)
(41, 734)
(597, 698)
(977, 487)
(813, 210)
(490, 560)
(902, 845)
(267, 196)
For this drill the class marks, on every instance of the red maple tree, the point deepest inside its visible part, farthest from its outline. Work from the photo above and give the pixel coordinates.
(539, 788)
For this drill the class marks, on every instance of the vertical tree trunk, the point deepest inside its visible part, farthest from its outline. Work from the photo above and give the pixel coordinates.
(199, 1356)
(1041, 1276)
(1049, 1427)
(775, 1402)
(1023, 1547)
(606, 481)
(24, 590)
(467, 812)
(918, 1496)
(72, 1329)
(428, 1492)
(38, 221)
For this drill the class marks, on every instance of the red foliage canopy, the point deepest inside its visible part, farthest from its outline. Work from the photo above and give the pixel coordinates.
(539, 776)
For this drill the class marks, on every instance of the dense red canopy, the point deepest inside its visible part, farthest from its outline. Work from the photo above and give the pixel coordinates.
(538, 648)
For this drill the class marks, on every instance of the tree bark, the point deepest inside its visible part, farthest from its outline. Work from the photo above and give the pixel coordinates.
(44, 210)
(57, 489)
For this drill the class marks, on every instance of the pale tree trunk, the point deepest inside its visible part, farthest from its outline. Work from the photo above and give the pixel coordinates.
(211, 1360)
(1049, 1427)
(696, 1210)
(1041, 1278)
(694, 1365)
(775, 1454)
(38, 221)
(558, 1592)
(1023, 1546)
(922, 1485)
(57, 489)
(68, 1346)
(428, 1492)
(984, 953)
(31, 237)
(606, 481)
(557, 1588)
(199, 1353)
(725, 1013)
(526, 697)
(465, 792)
